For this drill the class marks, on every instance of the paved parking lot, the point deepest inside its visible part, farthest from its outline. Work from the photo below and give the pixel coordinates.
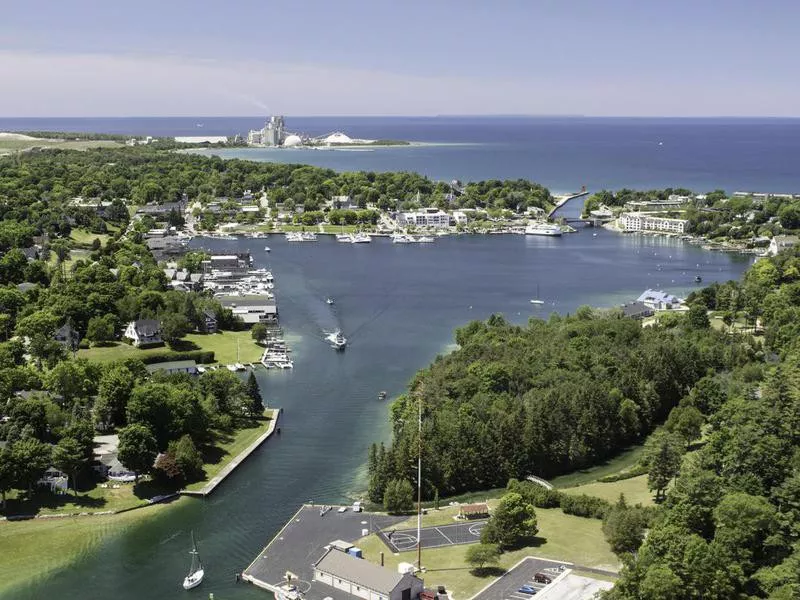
(508, 586)
(433, 537)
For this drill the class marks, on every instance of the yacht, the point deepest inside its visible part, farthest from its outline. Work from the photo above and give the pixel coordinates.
(361, 238)
(402, 238)
(425, 239)
(547, 229)
(344, 238)
(329, 301)
(337, 340)
(308, 236)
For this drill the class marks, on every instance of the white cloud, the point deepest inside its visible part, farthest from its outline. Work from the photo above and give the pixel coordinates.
(43, 84)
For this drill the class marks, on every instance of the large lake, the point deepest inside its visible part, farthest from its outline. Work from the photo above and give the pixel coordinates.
(399, 304)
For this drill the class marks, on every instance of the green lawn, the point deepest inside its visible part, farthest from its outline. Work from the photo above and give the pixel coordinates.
(620, 463)
(94, 499)
(37, 548)
(226, 446)
(83, 237)
(223, 344)
(635, 490)
(561, 537)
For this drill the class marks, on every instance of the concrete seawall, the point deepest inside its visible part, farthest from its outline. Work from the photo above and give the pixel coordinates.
(209, 487)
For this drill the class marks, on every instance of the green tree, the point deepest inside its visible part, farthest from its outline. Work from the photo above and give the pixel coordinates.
(624, 528)
(31, 458)
(69, 456)
(512, 523)
(686, 421)
(174, 326)
(187, 457)
(398, 497)
(663, 454)
(7, 473)
(254, 392)
(480, 555)
(661, 583)
(697, 317)
(137, 448)
(114, 391)
(101, 329)
(258, 332)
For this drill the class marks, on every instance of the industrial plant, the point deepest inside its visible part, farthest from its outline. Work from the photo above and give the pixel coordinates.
(274, 134)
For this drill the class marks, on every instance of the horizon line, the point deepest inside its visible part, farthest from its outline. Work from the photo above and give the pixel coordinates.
(417, 116)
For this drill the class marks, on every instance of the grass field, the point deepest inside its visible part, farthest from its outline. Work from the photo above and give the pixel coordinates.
(620, 463)
(11, 145)
(561, 537)
(635, 490)
(83, 237)
(94, 499)
(34, 549)
(227, 446)
(223, 344)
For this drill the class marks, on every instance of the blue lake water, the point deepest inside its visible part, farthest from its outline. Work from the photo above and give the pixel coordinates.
(561, 153)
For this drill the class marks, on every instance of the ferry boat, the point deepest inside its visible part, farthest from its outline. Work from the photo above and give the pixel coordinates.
(337, 340)
(546, 229)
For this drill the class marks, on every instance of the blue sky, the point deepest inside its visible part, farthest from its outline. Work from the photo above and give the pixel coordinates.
(377, 57)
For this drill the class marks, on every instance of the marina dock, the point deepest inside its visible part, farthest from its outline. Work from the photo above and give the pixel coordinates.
(209, 487)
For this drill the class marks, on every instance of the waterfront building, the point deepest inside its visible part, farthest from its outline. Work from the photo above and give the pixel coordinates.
(252, 309)
(429, 217)
(174, 366)
(637, 221)
(637, 310)
(658, 300)
(781, 242)
(460, 217)
(237, 264)
(645, 205)
(363, 579)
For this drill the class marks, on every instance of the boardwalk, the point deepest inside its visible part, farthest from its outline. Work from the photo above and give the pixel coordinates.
(229, 468)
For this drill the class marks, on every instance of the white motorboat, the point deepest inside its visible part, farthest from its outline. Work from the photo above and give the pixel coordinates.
(541, 228)
(308, 236)
(425, 239)
(361, 238)
(402, 238)
(231, 368)
(196, 573)
(329, 301)
(537, 301)
(344, 238)
(266, 248)
(337, 340)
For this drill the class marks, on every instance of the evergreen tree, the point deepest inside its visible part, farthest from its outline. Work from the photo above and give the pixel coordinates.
(254, 393)
(399, 497)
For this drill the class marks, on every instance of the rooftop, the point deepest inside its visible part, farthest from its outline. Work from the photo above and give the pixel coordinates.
(359, 571)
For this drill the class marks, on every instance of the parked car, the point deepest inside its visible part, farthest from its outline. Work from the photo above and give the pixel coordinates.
(342, 509)
(542, 578)
(527, 589)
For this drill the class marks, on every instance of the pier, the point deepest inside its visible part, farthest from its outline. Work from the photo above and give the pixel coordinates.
(209, 487)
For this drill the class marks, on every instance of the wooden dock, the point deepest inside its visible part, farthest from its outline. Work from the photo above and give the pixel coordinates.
(209, 487)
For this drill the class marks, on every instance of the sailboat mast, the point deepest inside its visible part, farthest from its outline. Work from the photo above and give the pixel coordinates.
(419, 484)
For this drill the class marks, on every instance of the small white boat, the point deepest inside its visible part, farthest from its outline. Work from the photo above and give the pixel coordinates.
(361, 238)
(196, 573)
(344, 238)
(239, 366)
(329, 301)
(337, 340)
(425, 239)
(231, 368)
(266, 248)
(536, 301)
(201, 370)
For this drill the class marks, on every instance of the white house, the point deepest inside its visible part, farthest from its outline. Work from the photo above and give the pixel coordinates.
(460, 217)
(658, 300)
(781, 242)
(144, 332)
(637, 221)
(363, 579)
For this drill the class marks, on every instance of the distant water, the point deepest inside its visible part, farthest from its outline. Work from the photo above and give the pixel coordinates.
(398, 304)
(561, 153)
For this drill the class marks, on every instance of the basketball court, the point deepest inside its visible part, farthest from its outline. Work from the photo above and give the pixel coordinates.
(403, 540)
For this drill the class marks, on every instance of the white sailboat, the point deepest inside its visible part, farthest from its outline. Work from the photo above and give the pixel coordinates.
(536, 300)
(195, 576)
